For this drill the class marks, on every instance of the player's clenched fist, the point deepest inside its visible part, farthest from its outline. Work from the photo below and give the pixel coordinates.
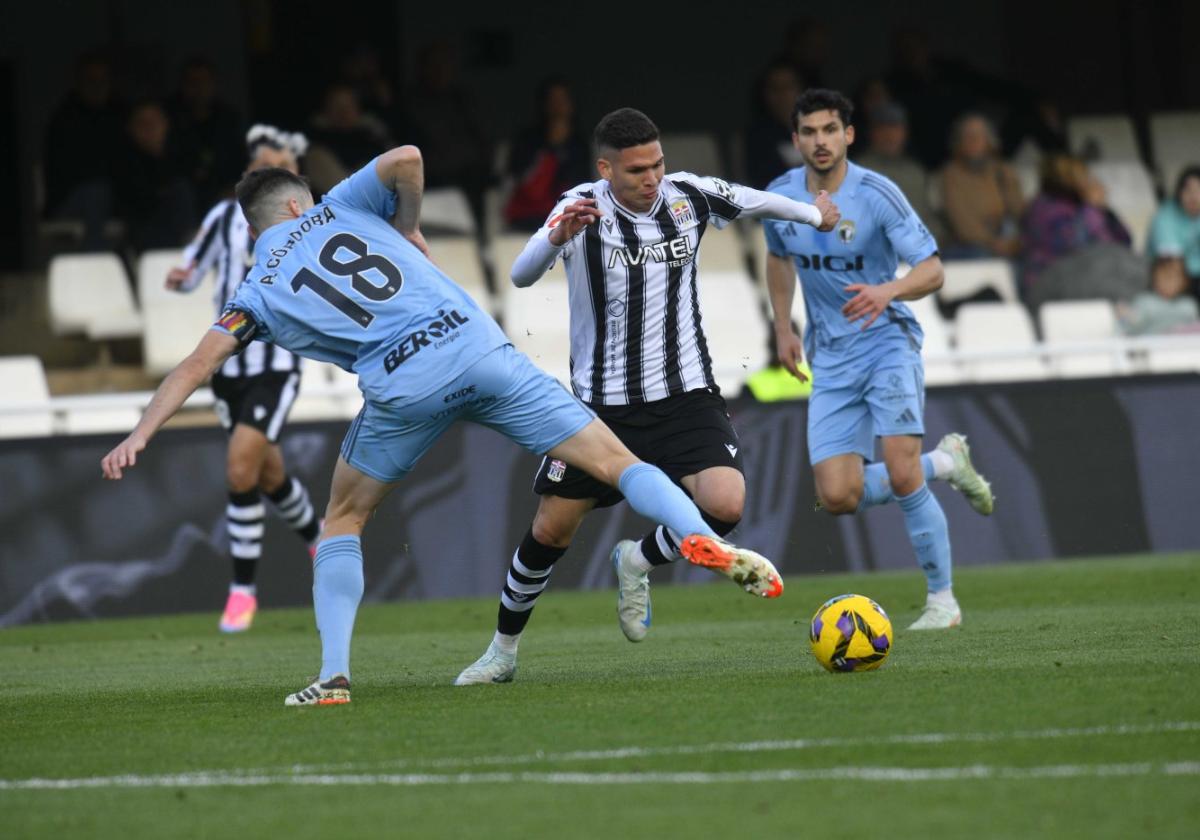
(122, 456)
(574, 218)
(829, 211)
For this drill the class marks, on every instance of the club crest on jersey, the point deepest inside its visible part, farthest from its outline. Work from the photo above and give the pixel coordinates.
(845, 231)
(557, 470)
(681, 212)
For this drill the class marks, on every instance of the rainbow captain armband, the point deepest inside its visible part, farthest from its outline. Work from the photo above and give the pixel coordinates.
(238, 323)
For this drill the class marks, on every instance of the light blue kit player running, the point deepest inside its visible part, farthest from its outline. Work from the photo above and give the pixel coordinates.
(349, 281)
(864, 345)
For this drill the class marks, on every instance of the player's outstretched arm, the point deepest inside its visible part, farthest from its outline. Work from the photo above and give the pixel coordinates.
(544, 246)
(209, 355)
(822, 214)
(870, 301)
(781, 287)
(403, 171)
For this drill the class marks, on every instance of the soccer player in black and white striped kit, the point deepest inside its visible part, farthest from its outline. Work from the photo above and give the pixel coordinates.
(254, 390)
(638, 358)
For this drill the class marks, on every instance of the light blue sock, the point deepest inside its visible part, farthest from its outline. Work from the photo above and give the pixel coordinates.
(930, 536)
(337, 591)
(877, 487)
(654, 496)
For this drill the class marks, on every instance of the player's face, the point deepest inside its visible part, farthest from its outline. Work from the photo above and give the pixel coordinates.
(822, 140)
(634, 174)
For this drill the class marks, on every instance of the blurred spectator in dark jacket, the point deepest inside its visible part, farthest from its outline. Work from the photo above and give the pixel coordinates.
(447, 126)
(980, 193)
(769, 150)
(1175, 231)
(82, 142)
(152, 191)
(1069, 216)
(343, 138)
(887, 144)
(206, 133)
(362, 70)
(547, 158)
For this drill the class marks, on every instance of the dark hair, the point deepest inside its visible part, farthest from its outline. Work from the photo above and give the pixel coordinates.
(822, 99)
(624, 128)
(258, 189)
(1192, 171)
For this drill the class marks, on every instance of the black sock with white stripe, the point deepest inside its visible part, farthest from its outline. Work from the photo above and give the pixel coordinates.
(291, 502)
(244, 519)
(528, 574)
(661, 546)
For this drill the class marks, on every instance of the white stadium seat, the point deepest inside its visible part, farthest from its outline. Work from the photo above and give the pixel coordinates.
(1130, 194)
(997, 327)
(22, 386)
(87, 421)
(89, 293)
(173, 321)
(734, 326)
(505, 249)
(446, 210)
(326, 393)
(1110, 136)
(458, 257)
(722, 250)
(1077, 321)
(967, 277)
(695, 153)
(537, 319)
(938, 370)
(1176, 141)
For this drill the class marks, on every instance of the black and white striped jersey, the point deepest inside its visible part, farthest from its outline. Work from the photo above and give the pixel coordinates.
(224, 245)
(636, 329)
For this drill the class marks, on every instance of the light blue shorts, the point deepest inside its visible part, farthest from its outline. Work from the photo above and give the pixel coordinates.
(877, 389)
(504, 390)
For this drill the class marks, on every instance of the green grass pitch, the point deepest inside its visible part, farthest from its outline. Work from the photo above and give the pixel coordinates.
(1068, 705)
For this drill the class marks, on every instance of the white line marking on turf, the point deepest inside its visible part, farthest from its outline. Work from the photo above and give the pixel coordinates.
(746, 747)
(871, 774)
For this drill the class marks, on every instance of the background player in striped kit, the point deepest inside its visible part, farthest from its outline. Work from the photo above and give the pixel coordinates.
(864, 345)
(638, 358)
(254, 390)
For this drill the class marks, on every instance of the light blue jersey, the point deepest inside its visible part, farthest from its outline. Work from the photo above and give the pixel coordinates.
(878, 228)
(341, 285)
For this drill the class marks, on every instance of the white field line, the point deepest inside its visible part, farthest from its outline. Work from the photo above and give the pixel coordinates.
(795, 744)
(871, 774)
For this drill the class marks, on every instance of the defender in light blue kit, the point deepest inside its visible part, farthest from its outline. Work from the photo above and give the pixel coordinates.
(864, 345)
(349, 281)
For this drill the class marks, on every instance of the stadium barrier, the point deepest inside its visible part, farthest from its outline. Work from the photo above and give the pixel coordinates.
(1080, 467)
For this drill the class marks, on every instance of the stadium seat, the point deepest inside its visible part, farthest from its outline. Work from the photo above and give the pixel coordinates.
(1108, 137)
(23, 385)
(1131, 195)
(1182, 359)
(1076, 321)
(326, 393)
(722, 250)
(446, 210)
(939, 370)
(458, 257)
(734, 327)
(537, 319)
(965, 278)
(89, 293)
(100, 420)
(1029, 179)
(695, 153)
(173, 321)
(1176, 141)
(1001, 328)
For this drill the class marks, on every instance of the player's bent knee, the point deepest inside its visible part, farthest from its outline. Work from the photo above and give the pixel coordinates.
(841, 504)
(723, 510)
(241, 478)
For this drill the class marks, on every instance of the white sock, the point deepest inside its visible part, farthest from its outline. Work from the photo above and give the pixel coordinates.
(943, 463)
(243, 589)
(639, 560)
(505, 643)
(944, 597)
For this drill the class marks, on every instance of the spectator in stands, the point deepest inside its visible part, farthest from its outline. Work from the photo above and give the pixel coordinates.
(933, 89)
(981, 194)
(1074, 244)
(1175, 231)
(83, 138)
(769, 151)
(446, 122)
(153, 194)
(206, 133)
(362, 70)
(1167, 307)
(343, 138)
(886, 153)
(546, 158)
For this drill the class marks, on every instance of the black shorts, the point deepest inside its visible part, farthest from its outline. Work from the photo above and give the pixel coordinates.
(261, 401)
(680, 435)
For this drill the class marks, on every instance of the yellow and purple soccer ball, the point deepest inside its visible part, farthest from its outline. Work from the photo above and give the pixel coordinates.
(850, 633)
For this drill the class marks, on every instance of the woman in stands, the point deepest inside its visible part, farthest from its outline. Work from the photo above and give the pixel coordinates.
(1175, 231)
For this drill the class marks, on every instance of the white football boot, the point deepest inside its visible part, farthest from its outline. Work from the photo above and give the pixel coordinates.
(633, 593)
(963, 477)
(495, 666)
(939, 614)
